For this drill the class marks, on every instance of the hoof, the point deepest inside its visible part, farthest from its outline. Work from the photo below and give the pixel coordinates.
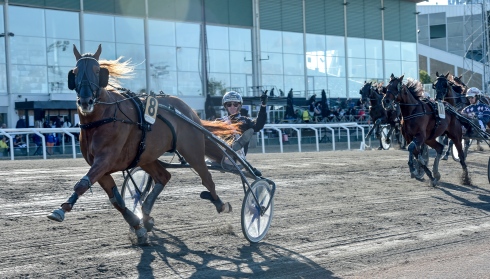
(444, 158)
(433, 183)
(142, 235)
(226, 208)
(437, 176)
(380, 148)
(149, 223)
(57, 215)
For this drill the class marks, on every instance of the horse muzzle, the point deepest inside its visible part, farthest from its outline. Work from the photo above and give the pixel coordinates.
(387, 104)
(86, 104)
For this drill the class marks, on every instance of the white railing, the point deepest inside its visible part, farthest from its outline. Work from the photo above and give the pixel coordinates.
(10, 133)
(333, 128)
(317, 128)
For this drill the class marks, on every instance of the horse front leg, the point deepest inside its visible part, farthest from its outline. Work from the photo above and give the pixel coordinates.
(109, 186)
(439, 148)
(465, 177)
(80, 188)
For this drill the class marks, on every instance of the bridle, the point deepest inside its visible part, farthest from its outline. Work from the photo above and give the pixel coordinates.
(81, 79)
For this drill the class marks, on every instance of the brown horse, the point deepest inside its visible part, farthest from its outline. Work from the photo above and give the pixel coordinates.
(422, 126)
(115, 137)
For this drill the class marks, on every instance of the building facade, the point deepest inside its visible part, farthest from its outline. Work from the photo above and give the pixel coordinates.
(189, 47)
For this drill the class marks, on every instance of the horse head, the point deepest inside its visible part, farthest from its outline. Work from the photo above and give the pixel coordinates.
(392, 95)
(365, 92)
(87, 79)
(442, 86)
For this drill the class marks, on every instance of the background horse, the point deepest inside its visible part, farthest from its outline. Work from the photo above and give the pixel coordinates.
(421, 125)
(114, 137)
(372, 94)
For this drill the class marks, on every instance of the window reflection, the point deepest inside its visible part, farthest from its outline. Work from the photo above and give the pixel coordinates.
(240, 39)
(241, 62)
(29, 79)
(166, 82)
(409, 51)
(219, 61)
(161, 32)
(293, 64)
(336, 87)
(217, 37)
(355, 48)
(57, 79)
(357, 67)
(392, 50)
(271, 41)
(60, 51)
(272, 63)
(335, 46)
(393, 67)
(186, 59)
(26, 21)
(99, 28)
(129, 30)
(108, 49)
(62, 24)
(295, 82)
(28, 50)
(189, 84)
(292, 42)
(188, 34)
(374, 49)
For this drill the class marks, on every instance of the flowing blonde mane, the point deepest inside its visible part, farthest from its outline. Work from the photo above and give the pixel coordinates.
(118, 70)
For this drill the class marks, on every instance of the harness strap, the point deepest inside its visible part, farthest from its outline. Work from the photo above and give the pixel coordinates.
(141, 121)
(174, 135)
(98, 123)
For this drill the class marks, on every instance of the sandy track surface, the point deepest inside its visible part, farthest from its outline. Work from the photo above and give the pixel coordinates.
(342, 214)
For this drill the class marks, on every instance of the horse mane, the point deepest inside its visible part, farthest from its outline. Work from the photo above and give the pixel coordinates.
(415, 87)
(117, 70)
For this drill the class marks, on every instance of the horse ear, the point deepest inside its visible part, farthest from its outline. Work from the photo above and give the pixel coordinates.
(392, 76)
(75, 51)
(447, 74)
(437, 73)
(103, 77)
(71, 80)
(98, 52)
(401, 78)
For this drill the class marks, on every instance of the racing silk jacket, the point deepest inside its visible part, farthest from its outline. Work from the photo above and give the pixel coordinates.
(247, 122)
(480, 110)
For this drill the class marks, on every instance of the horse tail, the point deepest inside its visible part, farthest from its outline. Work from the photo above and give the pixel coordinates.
(221, 129)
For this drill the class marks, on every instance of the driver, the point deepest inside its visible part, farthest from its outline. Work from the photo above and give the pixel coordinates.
(476, 109)
(232, 102)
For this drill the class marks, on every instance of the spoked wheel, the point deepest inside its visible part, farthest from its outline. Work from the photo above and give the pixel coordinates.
(255, 221)
(454, 151)
(135, 188)
(488, 170)
(384, 133)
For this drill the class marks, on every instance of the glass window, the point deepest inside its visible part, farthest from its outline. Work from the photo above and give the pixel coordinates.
(219, 61)
(239, 81)
(274, 80)
(270, 41)
(162, 59)
(335, 66)
(295, 82)
(272, 63)
(357, 67)
(392, 50)
(409, 51)
(241, 62)
(165, 81)
(409, 69)
(355, 48)
(315, 43)
(161, 32)
(374, 69)
(186, 59)
(455, 29)
(60, 52)
(62, 24)
(189, 84)
(336, 87)
(28, 50)
(217, 37)
(26, 21)
(292, 42)
(335, 46)
(294, 64)
(3, 79)
(374, 49)
(129, 30)
(224, 79)
(188, 34)
(315, 63)
(133, 52)
(240, 39)
(29, 79)
(393, 67)
(57, 78)
(137, 82)
(355, 84)
(320, 83)
(99, 28)
(108, 49)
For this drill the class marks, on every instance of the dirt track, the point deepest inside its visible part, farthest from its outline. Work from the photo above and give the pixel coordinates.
(343, 214)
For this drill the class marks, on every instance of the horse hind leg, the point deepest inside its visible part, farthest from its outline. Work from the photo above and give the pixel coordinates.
(195, 158)
(465, 177)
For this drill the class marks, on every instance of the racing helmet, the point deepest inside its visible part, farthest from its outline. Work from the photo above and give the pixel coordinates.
(232, 96)
(472, 92)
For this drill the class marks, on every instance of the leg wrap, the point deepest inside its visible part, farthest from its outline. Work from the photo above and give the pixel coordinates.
(118, 202)
(73, 199)
(411, 147)
(219, 204)
(151, 198)
(82, 185)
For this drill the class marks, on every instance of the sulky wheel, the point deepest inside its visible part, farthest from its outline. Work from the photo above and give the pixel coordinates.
(454, 152)
(255, 221)
(133, 198)
(384, 143)
(488, 170)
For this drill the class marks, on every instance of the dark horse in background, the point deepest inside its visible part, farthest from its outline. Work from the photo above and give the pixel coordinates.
(114, 137)
(422, 126)
(452, 89)
(372, 94)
